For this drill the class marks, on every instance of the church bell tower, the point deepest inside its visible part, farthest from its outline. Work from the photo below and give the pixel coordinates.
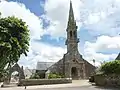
(72, 40)
(72, 65)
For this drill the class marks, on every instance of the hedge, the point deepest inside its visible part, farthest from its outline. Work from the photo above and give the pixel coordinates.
(112, 67)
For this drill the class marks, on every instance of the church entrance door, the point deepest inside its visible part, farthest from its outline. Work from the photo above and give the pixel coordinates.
(74, 73)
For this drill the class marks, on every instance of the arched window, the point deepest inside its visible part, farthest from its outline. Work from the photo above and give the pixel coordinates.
(70, 33)
(75, 34)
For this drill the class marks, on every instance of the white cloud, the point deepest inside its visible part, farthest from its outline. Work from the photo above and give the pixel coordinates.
(57, 12)
(40, 51)
(19, 10)
(94, 15)
(98, 57)
(2, 0)
(34, 23)
(104, 43)
(93, 50)
(101, 17)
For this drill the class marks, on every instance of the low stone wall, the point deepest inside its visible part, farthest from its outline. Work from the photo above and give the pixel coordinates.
(111, 80)
(28, 82)
(99, 80)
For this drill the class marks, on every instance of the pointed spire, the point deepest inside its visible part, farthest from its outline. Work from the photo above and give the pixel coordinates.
(71, 20)
(71, 14)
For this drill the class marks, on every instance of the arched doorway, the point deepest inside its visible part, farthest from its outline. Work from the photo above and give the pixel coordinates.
(14, 77)
(74, 73)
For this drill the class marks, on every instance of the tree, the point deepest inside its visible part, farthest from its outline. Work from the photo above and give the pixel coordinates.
(112, 67)
(14, 41)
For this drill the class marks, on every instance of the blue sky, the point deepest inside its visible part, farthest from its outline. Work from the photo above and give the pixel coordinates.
(32, 5)
(98, 23)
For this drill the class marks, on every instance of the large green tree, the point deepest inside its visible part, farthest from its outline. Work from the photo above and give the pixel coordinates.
(14, 41)
(112, 67)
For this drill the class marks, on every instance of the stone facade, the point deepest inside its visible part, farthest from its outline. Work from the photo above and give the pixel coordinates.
(72, 65)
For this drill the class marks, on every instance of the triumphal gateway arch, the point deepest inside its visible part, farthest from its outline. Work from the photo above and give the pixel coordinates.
(20, 71)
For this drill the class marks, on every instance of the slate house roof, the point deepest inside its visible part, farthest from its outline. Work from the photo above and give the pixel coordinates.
(44, 65)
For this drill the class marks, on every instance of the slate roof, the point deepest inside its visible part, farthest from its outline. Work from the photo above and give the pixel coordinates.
(44, 65)
(118, 57)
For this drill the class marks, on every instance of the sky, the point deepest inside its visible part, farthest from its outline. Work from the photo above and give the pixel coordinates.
(98, 24)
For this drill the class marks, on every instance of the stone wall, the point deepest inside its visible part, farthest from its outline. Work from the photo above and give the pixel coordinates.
(57, 67)
(89, 69)
(100, 80)
(29, 82)
(111, 80)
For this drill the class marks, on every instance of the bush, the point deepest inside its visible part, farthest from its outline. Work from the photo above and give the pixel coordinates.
(35, 76)
(112, 67)
(55, 75)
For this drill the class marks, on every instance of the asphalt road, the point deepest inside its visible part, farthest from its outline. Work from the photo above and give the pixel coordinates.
(77, 88)
(76, 85)
(89, 87)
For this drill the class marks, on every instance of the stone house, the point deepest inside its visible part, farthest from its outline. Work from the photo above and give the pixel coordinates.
(42, 68)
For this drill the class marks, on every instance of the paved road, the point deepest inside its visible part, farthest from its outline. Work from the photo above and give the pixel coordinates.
(76, 85)
(63, 88)
(77, 88)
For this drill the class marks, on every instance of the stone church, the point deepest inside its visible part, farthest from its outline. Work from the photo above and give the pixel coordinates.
(72, 65)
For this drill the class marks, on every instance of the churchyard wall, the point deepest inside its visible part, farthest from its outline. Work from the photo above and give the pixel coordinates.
(29, 82)
(107, 80)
